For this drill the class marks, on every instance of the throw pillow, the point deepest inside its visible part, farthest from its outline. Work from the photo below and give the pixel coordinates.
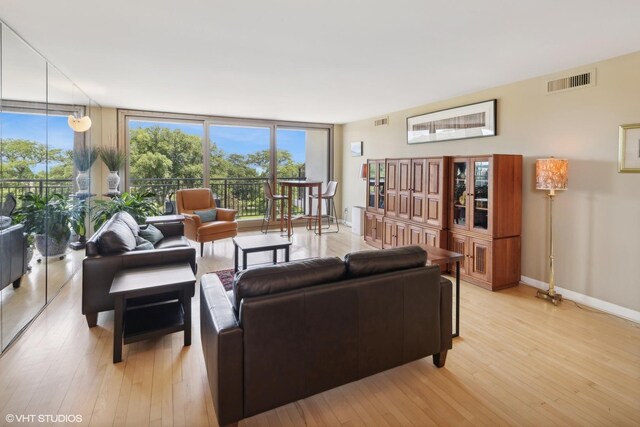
(129, 220)
(143, 244)
(116, 237)
(151, 233)
(208, 215)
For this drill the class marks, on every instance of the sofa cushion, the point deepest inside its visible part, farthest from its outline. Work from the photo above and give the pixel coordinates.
(208, 215)
(151, 234)
(286, 277)
(143, 244)
(366, 263)
(129, 220)
(116, 237)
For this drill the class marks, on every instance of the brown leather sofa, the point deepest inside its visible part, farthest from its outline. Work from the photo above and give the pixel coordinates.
(13, 255)
(107, 253)
(292, 330)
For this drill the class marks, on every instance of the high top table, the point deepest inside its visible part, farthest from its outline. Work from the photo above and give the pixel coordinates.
(289, 184)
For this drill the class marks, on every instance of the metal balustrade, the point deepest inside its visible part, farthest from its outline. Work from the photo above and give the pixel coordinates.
(246, 195)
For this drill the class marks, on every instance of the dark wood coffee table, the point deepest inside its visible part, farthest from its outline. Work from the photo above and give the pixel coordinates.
(151, 301)
(443, 256)
(261, 243)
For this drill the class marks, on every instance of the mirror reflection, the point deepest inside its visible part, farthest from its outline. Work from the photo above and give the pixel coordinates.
(43, 210)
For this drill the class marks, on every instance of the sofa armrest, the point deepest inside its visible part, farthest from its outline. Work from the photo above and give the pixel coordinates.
(98, 272)
(222, 345)
(192, 219)
(170, 228)
(224, 214)
(446, 312)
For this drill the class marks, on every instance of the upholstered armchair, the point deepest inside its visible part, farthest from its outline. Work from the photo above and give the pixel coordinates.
(195, 228)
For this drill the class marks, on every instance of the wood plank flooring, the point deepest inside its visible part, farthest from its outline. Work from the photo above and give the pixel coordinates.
(519, 361)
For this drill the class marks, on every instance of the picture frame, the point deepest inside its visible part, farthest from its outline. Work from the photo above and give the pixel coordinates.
(356, 149)
(468, 121)
(629, 148)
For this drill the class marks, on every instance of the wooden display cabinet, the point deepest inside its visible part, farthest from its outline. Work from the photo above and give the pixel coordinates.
(376, 186)
(485, 218)
(373, 229)
(396, 233)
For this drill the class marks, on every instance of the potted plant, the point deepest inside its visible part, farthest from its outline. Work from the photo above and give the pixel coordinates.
(140, 206)
(49, 218)
(83, 158)
(114, 159)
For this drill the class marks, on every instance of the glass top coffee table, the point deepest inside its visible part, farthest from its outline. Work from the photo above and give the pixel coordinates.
(260, 243)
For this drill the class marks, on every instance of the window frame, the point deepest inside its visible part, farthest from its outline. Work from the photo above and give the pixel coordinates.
(124, 116)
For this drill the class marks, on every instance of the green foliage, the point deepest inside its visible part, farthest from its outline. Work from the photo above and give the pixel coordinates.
(113, 158)
(51, 215)
(20, 156)
(84, 157)
(140, 206)
(158, 152)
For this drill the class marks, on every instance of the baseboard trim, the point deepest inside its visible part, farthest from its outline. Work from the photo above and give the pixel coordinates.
(607, 307)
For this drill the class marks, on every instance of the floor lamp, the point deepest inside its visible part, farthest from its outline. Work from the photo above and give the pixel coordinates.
(552, 175)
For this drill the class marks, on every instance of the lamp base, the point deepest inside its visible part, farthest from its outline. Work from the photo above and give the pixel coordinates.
(554, 299)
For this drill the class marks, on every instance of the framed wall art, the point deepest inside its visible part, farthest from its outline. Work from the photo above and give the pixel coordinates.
(356, 149)
(469, 121)
(629, 148)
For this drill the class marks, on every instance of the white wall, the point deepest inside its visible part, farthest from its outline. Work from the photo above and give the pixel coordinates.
(596, 222)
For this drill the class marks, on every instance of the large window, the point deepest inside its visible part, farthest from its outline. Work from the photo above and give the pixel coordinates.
(164, 156)
(233, 157)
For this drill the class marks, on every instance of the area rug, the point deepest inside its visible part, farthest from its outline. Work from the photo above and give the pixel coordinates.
(226, 277)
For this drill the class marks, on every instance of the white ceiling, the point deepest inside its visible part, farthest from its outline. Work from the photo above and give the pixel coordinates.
(330, 61)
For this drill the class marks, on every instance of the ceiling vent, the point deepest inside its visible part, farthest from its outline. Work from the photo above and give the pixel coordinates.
(584, 79)
(384, 121)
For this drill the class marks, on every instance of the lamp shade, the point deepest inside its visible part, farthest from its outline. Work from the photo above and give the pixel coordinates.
(552, 174)
(81, 124)
(364, 170)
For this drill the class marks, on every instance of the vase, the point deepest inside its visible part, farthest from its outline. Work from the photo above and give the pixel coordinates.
(83, 182)
(50, 247)
(113, 180)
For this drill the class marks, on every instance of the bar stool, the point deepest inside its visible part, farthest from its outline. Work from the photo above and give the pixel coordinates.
(271, 198)
(328, 196)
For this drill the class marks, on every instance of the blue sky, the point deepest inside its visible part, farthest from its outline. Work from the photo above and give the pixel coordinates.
(241, 140)
(231, 139)
(34, 127)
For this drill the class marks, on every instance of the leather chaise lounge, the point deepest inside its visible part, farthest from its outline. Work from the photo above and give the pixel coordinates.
(292, 330)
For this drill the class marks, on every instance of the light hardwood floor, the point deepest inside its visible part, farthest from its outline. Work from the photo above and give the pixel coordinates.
(518, 361)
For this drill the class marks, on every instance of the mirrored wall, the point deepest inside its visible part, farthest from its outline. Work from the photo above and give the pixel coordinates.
(43, 211)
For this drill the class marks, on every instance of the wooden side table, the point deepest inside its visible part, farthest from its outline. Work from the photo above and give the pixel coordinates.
(261, 243)
(443, 256)
(150, 302)
(164, 218)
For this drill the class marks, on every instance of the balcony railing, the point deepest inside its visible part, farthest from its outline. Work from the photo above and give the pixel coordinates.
(246, 195)
(19, 187)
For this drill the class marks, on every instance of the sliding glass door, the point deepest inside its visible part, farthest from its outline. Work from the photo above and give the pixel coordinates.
(233, 157)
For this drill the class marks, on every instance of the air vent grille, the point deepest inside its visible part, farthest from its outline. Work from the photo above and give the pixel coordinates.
(585, 79)
(381, 121)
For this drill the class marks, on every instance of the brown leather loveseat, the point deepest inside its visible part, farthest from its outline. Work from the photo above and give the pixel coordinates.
(292, 330)
(113, 248)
